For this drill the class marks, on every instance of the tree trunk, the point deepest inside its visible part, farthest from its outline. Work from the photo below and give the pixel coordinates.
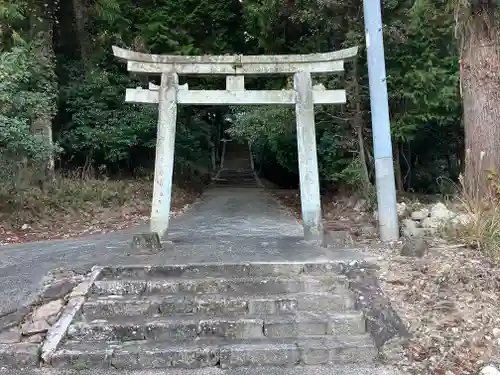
(41, 27)
(80, 14)
(358, 126)
(397, 167)
(480, 84)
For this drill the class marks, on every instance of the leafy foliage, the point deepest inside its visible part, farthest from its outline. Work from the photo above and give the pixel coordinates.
(23, 97)
(103, 127)
(97, 129)
(424, 98)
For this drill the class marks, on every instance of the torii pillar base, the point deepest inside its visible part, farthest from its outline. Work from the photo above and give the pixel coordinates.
(149, 243)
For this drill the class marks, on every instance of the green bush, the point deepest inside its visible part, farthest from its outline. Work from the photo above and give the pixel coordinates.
(25, 94)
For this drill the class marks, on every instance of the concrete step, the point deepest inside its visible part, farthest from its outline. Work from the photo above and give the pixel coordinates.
(191, 326)
(243, 286)
(233, 173)
(237, 178)
(236, 174)
(330, 369)
(215, 304)
(235, 182)
(237, 185)
(209, 353)
(218, 316)
(222, 270)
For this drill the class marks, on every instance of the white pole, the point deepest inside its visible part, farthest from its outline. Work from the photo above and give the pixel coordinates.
(382, 145)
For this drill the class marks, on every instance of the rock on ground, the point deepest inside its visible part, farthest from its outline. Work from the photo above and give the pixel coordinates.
(489, 370)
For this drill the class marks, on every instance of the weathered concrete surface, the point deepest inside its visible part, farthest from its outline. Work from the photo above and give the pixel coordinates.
(223, 270)
(215, 304)
(274, 285)
(205, 352)
(228, 224)
(236, 64)
(239, 327)
(309, 370)
(386, 328)
(308, 157)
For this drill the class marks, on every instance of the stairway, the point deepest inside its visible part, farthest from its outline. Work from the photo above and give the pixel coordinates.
(236, 156)
(236, 178)
(218, 315)
(237, 167)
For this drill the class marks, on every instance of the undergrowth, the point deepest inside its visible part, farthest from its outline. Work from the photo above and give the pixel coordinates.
(68, 194)
(73, 205)
(482, 206)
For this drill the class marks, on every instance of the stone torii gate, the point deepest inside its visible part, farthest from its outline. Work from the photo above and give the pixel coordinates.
(169, 94)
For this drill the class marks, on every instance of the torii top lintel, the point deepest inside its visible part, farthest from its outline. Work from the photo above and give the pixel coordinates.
(328, 62)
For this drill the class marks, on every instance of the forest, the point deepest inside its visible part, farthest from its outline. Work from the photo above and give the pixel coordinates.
(63, 112)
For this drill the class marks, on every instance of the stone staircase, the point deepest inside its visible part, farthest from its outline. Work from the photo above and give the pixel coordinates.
(237, 169)
(236, 178)
(217, 315)
(237, 156)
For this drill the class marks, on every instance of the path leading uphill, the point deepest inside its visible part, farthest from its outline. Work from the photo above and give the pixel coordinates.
(228, 223)
(239, 288)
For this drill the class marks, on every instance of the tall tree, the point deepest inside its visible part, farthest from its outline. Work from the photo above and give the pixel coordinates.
(480, 87)
(42, 20)
(80, 14)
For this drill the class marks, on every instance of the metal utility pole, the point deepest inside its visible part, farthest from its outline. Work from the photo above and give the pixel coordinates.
(384, 168)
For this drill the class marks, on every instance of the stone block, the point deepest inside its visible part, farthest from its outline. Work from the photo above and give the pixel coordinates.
(213, 305)
(267, 306)
(119, 287)
(347, 324)
(236, 286)
(287, 305)
(13, 318)
(382, 321)
(358, 354)
(108, 308)
(135, 356)
(10, 336)
(294, 327)
(82, 359)
(35, 339)
(58, 290)
(314, 353)
(231, 329)
(351, 349)
(323, 268)
(259, 355)
(326, 302)
(33, 327)
(207, 270)
(19, 355)
(177, 305)
(146, 241)
(179, 357)
(316, 284)
(152, 330)
(414, 247)
(175, 286)
(305, 324)
(220, 305)
(337, 238)
(48, 310)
